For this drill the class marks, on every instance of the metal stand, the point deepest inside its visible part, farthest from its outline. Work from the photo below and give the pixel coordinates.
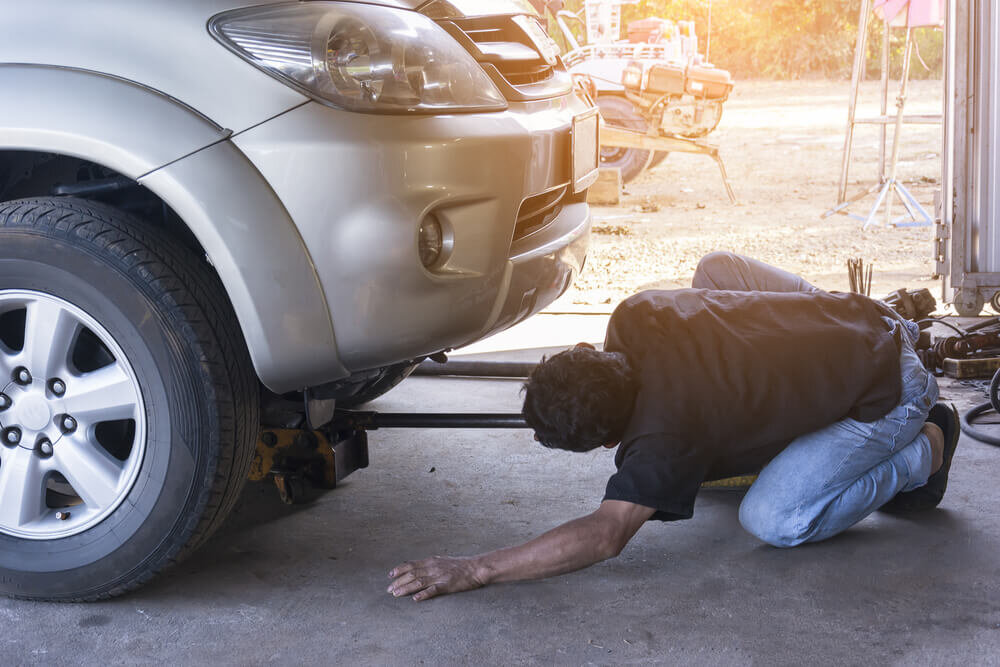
(888, 185)
(616, 136)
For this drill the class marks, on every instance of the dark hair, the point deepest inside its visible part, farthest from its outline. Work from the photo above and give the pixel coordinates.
(579, 399)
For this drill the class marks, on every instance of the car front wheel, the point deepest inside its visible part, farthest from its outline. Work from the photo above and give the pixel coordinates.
(128, 405)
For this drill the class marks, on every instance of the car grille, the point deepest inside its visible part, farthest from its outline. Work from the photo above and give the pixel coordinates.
(507, 53)
(538, 211)
(503, 43)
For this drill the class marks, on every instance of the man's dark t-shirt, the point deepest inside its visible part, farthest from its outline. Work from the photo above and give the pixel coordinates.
(728, 379)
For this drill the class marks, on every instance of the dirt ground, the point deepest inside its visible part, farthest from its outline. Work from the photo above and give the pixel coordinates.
(782, 145)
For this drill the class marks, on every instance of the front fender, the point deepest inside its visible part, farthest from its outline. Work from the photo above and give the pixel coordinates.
(258, 253)
(186, 160)
(116, 123)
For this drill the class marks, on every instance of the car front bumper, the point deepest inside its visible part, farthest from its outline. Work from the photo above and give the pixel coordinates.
(359, 185)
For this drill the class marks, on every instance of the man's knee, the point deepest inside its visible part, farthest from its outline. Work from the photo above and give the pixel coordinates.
(714, 269)
(772, 522)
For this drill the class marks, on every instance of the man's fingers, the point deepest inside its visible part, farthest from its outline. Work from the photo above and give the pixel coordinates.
(401, 581)
(411, 582)
(427, 593)
(410, 587)
(400, 570)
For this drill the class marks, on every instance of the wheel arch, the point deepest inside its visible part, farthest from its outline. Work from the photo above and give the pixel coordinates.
(185, 162)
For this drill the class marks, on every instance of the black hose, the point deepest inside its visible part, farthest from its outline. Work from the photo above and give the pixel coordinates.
(992, 404)
(934, 320)
(972, 431)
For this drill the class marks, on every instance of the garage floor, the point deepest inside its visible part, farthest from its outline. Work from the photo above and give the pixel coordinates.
(307, 584)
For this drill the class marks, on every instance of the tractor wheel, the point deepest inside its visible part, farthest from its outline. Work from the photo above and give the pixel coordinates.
(619, 112)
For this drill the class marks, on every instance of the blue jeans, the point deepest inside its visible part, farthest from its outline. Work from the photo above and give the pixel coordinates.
(826, 481)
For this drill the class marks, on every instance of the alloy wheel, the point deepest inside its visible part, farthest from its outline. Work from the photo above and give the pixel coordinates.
(72, 421)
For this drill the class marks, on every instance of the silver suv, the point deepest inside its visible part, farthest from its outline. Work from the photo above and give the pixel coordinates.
(213, 210)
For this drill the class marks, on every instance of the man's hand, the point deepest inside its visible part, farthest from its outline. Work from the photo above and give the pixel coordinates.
(435, 576)
(571, 546)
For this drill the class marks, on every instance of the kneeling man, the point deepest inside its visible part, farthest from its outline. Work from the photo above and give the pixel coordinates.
(752, 369)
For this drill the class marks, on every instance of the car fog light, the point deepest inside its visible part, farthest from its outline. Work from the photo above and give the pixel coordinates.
(431, 242)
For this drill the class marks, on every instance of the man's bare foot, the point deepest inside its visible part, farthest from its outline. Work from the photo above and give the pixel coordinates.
(936, 436)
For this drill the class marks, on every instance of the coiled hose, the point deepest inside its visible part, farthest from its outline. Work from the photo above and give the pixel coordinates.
(994, 390)
(992, 404)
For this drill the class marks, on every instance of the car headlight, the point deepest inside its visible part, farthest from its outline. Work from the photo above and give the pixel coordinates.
(360, 57)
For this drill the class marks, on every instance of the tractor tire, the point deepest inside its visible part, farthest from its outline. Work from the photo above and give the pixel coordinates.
(619, 112)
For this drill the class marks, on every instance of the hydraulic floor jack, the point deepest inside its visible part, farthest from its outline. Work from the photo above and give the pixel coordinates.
(305, 461)
(302, 461)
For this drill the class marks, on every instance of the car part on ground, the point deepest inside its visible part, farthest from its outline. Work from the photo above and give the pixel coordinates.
(978, 341)
(147, 384)
(913, 304)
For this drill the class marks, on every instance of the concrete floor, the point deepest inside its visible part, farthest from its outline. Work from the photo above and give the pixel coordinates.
(306, 585)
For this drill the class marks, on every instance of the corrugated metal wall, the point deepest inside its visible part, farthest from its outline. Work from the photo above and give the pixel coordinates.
(969, 227)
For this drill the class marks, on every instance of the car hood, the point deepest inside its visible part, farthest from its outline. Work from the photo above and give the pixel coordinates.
(463, 7)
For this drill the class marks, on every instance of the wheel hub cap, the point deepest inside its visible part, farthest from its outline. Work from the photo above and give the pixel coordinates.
(32, 413)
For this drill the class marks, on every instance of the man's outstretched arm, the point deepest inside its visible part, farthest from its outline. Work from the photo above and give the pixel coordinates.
(572, 546)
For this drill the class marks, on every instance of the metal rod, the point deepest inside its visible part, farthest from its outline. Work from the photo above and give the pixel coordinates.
(900, 104)
(377, 420)
(898, 130)
(708, 43)
(504, 369)
(913, 119)
(884, 98)
(856, 76)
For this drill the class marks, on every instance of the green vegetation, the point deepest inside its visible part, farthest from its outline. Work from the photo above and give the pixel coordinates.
(783, 39)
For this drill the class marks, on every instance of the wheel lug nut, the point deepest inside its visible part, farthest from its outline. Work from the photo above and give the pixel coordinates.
(57, 386)
(22, 376)
(12, 435)
(5, 402)
(45, 447)
(68, 424)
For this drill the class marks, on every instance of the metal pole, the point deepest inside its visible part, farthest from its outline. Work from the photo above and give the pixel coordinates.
(708, 43)
(375, 420)
(856, 74)
(884, 101)
(503, 369)
(900, 103)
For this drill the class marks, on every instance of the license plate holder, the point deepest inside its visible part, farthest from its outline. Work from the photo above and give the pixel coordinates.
(585, 149)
